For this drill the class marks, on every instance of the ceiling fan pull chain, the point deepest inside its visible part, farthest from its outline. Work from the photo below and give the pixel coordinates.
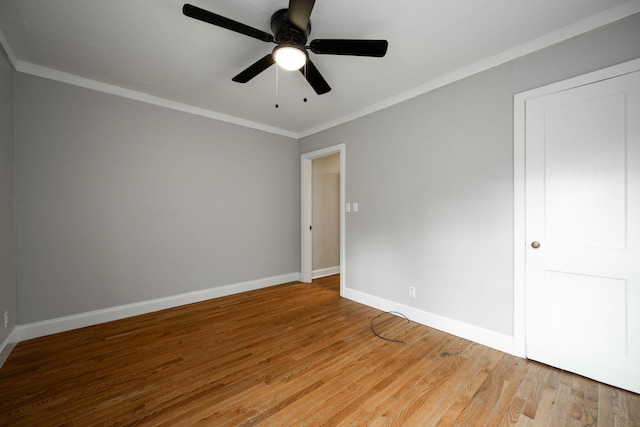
(277, 92)
(305, 87)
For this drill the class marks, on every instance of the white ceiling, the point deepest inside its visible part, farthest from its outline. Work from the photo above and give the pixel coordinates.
(150, 50)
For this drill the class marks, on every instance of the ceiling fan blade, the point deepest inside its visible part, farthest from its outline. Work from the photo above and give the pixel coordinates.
(300, 12)
(315, 79)
(377, 48)
(220, 21)
(254, 69)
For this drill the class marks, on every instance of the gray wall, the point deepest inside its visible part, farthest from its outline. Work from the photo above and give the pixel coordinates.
(121, 201)
(7, 200)
(325, 177)
(433, 177)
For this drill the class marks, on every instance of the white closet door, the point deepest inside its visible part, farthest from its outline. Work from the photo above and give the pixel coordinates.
(583, 230)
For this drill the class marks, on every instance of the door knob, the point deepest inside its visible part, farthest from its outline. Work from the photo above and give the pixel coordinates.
(535, 245)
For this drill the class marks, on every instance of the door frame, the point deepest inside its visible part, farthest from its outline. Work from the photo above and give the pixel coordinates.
(519, 141)
(306, 198)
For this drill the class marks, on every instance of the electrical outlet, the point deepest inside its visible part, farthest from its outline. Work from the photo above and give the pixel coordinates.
(6, 319)
(412, 292)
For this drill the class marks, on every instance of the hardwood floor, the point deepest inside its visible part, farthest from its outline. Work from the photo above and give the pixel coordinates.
(290, 355)
(330, 282)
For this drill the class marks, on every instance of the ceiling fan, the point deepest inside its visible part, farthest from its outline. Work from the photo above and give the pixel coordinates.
(291, 28)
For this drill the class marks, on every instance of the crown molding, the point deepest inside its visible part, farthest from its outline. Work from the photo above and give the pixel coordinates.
(72, 79)
(7, 50)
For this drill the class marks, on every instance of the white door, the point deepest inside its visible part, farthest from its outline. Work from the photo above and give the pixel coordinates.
(582, 207)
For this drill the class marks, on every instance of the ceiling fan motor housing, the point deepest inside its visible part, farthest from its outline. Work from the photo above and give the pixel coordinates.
(286, 33)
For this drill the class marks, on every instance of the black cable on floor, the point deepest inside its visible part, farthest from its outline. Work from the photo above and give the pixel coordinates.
(385, 338)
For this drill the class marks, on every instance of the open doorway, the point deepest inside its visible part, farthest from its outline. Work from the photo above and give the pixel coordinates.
(325, 216)
(322, 253)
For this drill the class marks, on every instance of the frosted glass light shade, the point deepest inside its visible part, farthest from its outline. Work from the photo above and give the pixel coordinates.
(289, 57)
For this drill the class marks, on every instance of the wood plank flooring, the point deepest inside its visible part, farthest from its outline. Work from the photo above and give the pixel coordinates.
(330, 282)
(289, 355)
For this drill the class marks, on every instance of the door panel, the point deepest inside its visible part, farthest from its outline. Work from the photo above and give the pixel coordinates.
(578, 327)
(585, 172)
(583, 207)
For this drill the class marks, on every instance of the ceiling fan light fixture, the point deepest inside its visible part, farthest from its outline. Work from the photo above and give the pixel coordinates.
(290, 57)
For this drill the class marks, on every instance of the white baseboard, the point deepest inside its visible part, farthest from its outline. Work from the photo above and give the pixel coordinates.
(464, 330)
(7, 345)
(322, 272)
(67, 323)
